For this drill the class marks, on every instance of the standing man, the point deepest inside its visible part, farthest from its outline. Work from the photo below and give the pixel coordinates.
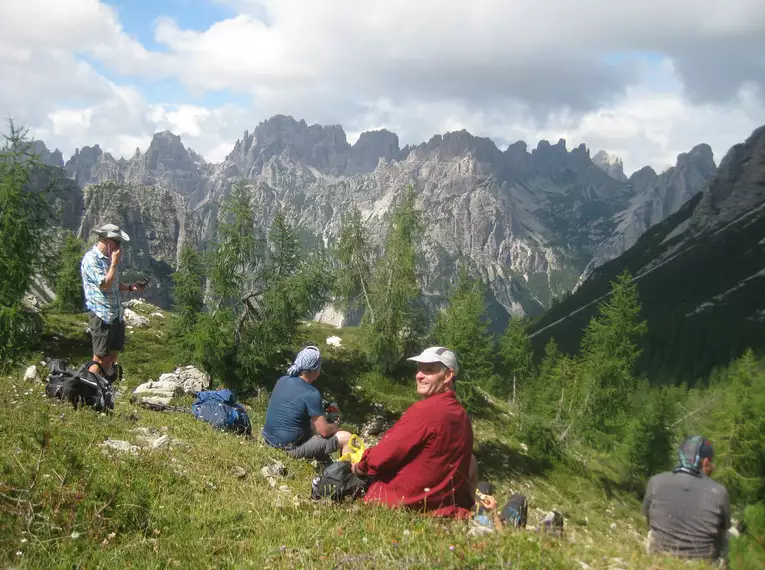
(101, 282)
(425, 461)
(687, 512)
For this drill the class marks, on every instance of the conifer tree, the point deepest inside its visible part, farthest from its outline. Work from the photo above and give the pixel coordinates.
(23, 218)
(188, 299)
(516, 356)
(353, 254)
(463, 327)
(609, 353)
(742, 430)
(237, 253)
(292, 287)
(398, 318)
(68, 283)
(650, 438)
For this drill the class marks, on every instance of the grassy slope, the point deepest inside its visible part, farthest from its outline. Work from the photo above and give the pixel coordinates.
(66, 502)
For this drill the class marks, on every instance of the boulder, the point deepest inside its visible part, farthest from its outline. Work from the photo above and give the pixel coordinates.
(31, 374)
(133, 319)
(193, 380)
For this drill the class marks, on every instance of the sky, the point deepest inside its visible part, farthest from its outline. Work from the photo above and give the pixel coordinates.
(642, 79)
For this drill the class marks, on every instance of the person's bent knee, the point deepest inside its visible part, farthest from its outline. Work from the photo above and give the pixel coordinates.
(343, 437)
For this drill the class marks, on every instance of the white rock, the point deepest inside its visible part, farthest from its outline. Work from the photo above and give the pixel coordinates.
(31, 374)
(121, 445)
(334, 341)
(134, 319)
(158, 315)
(161, 443)
(193, 380)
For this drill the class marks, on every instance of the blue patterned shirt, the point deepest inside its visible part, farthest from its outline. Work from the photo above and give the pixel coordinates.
(106, 304)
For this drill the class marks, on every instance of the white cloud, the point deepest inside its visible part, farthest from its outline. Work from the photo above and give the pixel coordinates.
(645, 80)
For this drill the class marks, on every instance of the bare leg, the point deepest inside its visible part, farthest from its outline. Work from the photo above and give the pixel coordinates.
(103, 361)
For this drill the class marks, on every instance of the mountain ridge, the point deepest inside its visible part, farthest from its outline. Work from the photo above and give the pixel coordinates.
(527, 221)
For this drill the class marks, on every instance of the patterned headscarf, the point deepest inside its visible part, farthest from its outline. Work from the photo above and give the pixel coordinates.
(307, 359)
(690, 453)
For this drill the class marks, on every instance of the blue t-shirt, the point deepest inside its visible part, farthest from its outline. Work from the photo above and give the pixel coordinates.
(292, 405)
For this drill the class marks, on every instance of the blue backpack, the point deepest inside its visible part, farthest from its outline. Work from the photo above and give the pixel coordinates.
(220, 409)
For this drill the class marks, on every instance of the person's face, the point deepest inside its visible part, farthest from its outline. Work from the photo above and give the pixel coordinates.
(433, 378)
(111, 246)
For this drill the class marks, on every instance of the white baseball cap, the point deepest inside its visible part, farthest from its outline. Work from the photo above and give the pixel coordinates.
(438, 354)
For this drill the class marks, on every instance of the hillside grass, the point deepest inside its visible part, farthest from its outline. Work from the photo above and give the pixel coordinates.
(67, 502)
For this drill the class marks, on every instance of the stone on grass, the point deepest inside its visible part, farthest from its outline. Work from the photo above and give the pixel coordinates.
(133, 319)
(31, 374)
(334, 341)
(275, 470)
(238, 472)
(120, 445)
(188, 380)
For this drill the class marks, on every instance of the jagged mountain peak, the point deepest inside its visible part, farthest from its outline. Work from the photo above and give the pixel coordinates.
(610, 164)
(51, 158)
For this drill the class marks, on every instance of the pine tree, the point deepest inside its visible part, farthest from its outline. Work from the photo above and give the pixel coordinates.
(68, 283)
(237, 252)
(292, 287)
(517, 357)
(353, 255)
(24, 216)
(609, 354)
(650, 439)
(188, 300)
(744, 445)
(463, 327)
(398, 318)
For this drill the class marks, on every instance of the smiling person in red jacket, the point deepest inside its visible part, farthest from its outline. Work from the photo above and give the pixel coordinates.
(425, 461)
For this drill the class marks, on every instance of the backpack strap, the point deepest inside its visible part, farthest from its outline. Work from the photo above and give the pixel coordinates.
(89, 363)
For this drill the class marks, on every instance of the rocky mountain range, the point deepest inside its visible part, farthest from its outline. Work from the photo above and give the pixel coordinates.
(529, 222)
(700, 272)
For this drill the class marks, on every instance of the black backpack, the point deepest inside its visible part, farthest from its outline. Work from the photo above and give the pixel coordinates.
(338, 482)
(81, 388)
(515, 512)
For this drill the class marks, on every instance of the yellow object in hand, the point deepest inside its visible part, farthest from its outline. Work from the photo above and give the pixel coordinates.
(357, 450)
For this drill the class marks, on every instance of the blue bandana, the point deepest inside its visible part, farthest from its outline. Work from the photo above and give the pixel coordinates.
(307, 359)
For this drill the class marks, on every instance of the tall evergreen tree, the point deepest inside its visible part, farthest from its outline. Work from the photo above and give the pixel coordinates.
(237, 253)
(23, 218)
(353, 255)
(464, 328)
(188, 299)
(398, 318)
(516, 356)
(68, 283)
(293, 286)
(650, 439)
(740, 430)
(609, 353)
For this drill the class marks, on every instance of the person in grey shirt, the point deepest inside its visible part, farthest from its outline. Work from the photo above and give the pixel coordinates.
(687, 512)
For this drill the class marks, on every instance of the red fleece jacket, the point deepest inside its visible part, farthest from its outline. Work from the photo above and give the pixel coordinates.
(423, 461)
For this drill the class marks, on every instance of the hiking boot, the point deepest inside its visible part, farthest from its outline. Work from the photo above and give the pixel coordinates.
(116, 375)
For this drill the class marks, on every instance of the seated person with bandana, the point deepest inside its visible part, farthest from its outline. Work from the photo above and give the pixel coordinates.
(687, 512)
(295, 419)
